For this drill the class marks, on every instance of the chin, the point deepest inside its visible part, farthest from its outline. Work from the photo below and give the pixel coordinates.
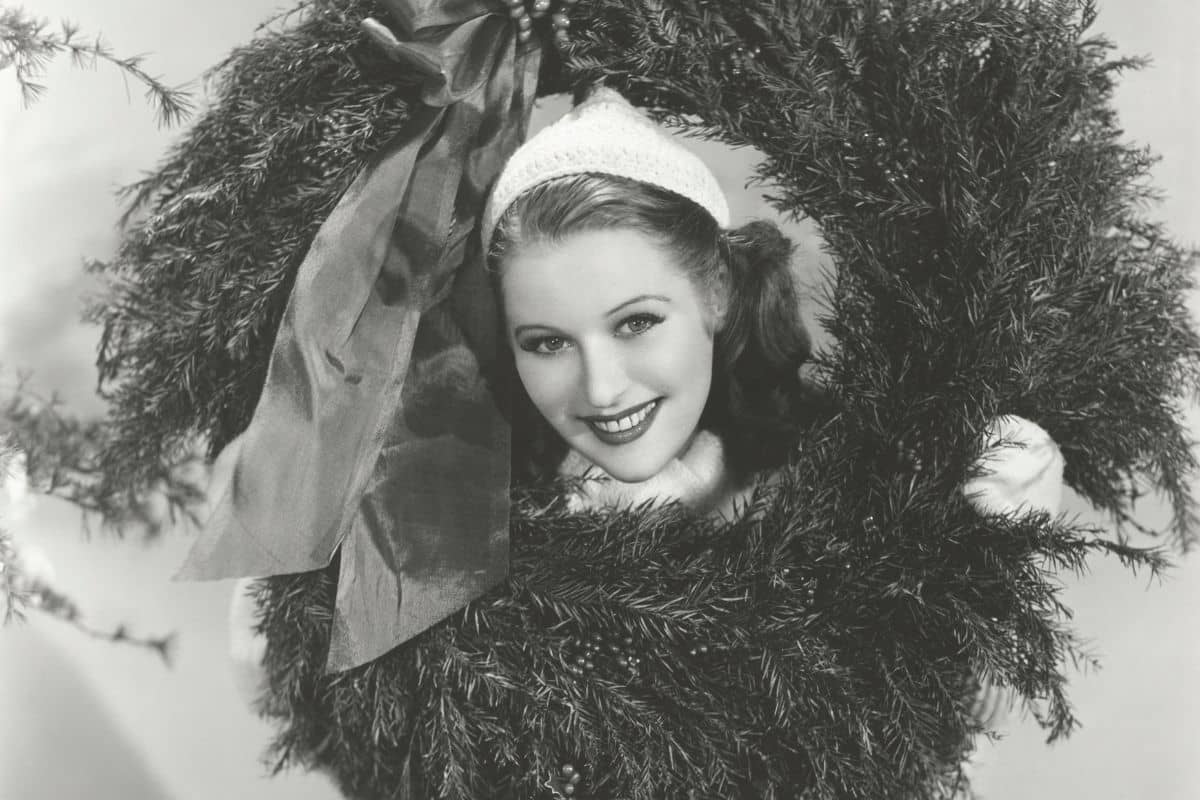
(632, 473)
(629, 466)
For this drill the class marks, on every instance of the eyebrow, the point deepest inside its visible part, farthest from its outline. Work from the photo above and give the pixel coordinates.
(637, 299)
(520, 329)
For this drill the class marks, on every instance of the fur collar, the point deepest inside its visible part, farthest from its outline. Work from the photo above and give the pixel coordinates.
(698, 479)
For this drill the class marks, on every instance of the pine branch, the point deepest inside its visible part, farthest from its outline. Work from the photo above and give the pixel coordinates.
(12, 582)
(295, 13)
(22, 591)
(46, 599)
(27, 45)
(64, 459)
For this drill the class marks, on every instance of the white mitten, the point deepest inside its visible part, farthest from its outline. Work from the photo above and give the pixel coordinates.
(1023, 470)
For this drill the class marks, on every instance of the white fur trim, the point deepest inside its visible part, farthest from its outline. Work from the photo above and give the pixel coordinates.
(697, 479)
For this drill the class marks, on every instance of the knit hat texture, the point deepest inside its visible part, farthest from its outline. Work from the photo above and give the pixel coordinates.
(605, 134)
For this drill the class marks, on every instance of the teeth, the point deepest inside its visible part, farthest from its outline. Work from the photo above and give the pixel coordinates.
(625, 423)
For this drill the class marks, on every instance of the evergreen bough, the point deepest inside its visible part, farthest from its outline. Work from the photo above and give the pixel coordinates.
(991, 256)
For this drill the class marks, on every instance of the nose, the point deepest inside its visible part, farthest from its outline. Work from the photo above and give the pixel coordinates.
(604, 377)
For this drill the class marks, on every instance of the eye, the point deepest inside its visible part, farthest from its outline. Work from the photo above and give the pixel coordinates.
(637, 324)
(545, 345)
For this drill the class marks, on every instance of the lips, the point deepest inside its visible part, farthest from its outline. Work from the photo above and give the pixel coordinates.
(625, 427)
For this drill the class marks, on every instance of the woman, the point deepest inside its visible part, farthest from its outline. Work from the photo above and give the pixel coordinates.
(662, 348)
(658, 351)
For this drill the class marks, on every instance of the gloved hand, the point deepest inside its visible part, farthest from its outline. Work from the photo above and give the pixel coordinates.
(1024, 470)
(1023, 473)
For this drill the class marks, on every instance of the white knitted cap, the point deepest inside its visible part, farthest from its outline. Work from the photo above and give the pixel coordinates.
(605, 134)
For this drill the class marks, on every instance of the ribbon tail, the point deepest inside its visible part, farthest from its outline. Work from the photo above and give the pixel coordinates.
(431, 532)
(280, 489)
(377, 430)
(415, 15)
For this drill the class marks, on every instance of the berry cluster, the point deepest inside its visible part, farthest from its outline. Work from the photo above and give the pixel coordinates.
(567, 782)
(588, 654)
(890, 160)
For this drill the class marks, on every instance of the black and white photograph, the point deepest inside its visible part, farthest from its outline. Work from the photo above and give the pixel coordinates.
(599, 400)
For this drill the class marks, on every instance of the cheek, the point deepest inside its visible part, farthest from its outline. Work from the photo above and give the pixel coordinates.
(547, 382)
(686, 366)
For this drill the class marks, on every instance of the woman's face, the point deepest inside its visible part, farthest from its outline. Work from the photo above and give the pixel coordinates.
(614, 345)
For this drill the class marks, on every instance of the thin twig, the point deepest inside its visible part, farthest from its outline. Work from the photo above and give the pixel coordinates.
(28, 46)
(279, 16)
(49, 601)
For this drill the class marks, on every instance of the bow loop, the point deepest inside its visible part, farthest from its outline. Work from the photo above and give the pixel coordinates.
(414, 16)
(455, 52)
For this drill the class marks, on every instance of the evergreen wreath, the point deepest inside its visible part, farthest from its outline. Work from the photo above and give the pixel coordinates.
(983, 216)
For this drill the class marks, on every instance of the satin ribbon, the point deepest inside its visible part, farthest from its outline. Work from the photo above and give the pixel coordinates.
(375, 431)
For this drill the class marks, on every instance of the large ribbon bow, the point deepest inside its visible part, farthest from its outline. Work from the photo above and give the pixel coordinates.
(375, 430)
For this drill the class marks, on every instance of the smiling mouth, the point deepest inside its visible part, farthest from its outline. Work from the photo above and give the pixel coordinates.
(625, 428)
